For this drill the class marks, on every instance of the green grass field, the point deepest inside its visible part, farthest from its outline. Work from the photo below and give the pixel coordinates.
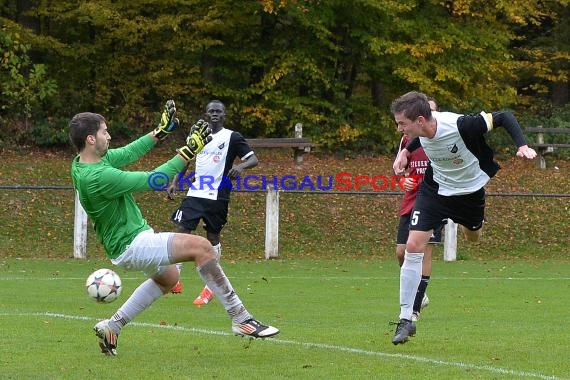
(486, 320)
(499, 312)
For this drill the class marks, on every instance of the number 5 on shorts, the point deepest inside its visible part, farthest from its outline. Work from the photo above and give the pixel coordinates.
(415, 217)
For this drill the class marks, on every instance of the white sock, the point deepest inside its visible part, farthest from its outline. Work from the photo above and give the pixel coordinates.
(218, 251)
(217, 255)
(215, 278)
(410, 277)
(143, 296)
(179, 267)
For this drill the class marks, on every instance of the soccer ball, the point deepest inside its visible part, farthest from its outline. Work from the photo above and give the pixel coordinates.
(103, 285)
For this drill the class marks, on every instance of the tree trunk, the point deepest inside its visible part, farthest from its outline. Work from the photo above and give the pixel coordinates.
(560, 93)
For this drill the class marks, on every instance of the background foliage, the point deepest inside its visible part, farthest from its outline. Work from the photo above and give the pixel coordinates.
(332, 65)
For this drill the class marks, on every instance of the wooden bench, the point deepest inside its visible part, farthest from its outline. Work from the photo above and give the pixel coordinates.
(544, 148)
(299, 144)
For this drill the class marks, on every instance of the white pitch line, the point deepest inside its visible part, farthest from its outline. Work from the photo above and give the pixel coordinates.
(350, 278)
(323, 346)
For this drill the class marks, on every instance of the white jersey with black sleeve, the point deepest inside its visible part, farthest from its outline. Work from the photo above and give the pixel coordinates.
(461, 161)
(214, 162)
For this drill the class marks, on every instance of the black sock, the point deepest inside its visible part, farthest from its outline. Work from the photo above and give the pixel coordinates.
(421, 292)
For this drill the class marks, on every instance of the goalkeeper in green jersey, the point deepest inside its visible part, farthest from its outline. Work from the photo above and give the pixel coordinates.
(105, 191)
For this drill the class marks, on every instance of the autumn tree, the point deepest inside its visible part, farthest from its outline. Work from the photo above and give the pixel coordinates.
(332, 65)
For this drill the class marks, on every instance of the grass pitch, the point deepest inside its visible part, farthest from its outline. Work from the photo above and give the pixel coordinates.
(486, 320)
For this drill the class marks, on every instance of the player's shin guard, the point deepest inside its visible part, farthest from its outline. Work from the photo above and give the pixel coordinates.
(215, 278)
(410, 277)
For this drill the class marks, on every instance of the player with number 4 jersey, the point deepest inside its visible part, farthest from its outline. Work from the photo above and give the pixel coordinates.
(208, 195)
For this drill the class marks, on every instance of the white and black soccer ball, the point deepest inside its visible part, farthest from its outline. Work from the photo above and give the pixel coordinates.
(103, 285)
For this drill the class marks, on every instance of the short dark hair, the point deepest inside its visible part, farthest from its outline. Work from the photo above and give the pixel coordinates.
(413, 104)
(82, 125)
(215, 101)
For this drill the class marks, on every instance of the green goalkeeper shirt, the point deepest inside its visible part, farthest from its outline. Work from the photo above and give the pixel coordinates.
(105, 192)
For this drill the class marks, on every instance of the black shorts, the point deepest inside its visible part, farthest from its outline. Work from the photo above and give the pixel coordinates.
(404, 231)
(214, 213)
(431, 209)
